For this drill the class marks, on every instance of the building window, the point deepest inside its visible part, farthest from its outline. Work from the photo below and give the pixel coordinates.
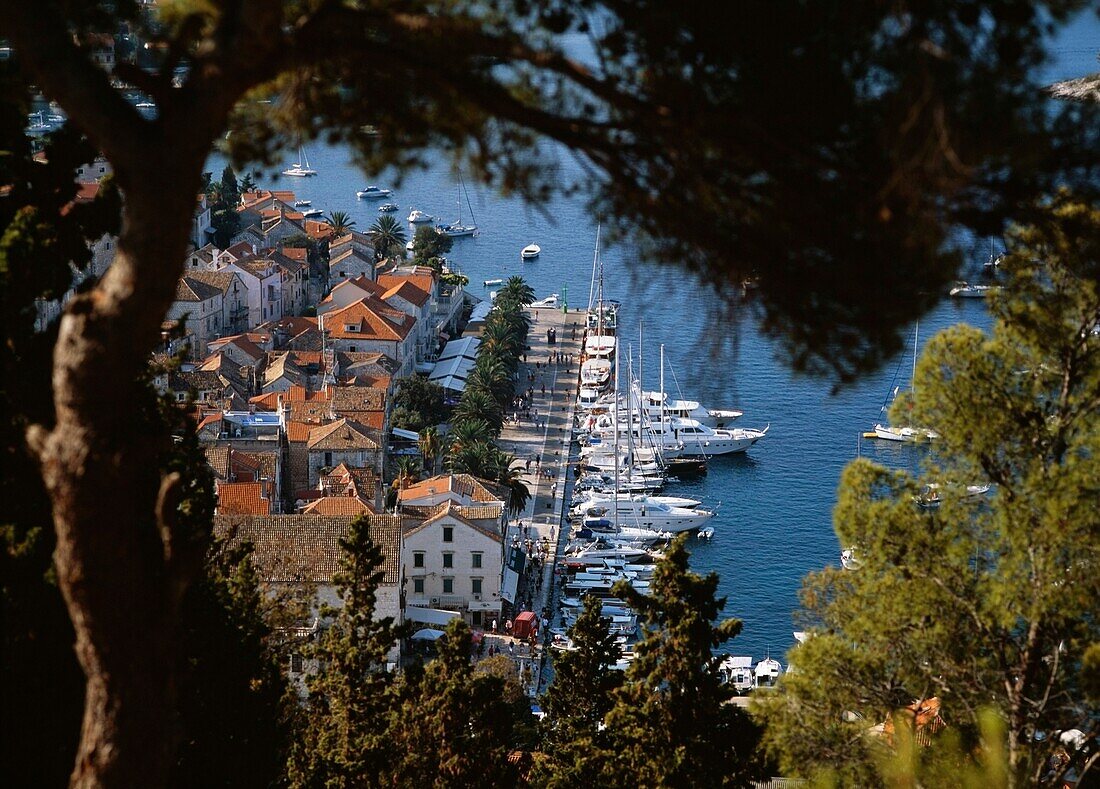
(475, 585)
(351, 348)
(448, 586)
(448, 560)
(475, 560)
(418, 559)
(448, 534)
(418, 586)
(296, 663)
(328, 459)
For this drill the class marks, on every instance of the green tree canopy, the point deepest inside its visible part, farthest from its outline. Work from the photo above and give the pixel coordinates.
(429, 247)
(669, 724)
(388, 236)
(983, 602)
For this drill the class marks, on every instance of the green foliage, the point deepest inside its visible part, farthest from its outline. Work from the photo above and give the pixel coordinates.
(223, 197)
(341, 728)
(418, 404)
(452, 726)
(453, 278)
(430, 445)
(669, 724)
(340, 222)
(388, 236)
(429, 247)
(577, 700)
(984, 603)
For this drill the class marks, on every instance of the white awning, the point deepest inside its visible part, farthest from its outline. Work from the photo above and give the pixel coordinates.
(428, 616)
(455, 363)
(407, 434)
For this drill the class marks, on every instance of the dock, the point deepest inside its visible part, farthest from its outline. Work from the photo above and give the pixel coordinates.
(541, 444)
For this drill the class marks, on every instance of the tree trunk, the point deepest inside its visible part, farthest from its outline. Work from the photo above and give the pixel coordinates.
(120, 565)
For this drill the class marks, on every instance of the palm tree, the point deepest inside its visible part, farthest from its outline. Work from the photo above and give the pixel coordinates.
(509, 475)
(408, 472)
(516, 289)
(475, 459)
(340, 222)
(430, 446)
(469, 432)
(498, 339)
(479, 404)
(388, 236)
(491, 375)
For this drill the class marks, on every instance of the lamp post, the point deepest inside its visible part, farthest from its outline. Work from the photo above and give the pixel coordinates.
(565, 299)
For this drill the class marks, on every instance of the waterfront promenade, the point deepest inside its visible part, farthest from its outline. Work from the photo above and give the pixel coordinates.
(541, 445)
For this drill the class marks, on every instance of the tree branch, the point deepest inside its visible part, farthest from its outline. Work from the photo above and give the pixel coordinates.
(45, 44)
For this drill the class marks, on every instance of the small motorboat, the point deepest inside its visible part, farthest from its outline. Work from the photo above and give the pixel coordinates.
(303, 203)
(372, 191)
(549, 301)
(309, 213)
(419, 217)
(386, 208)
(530, 252)
(967, 291)
(767, 672)
(489, 282)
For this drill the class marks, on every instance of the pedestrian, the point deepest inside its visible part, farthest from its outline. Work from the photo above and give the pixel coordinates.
(525, 358)
(508, 626)
(537, 365)
(494, 625)
(543, 387)
(536, 314)
(512, 648)
(527, 466)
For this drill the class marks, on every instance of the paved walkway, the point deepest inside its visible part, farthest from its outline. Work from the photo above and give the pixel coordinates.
(545, 442)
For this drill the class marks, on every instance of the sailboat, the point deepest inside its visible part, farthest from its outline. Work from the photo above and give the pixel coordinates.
(301, 168)
(456, 228)
(910, 433)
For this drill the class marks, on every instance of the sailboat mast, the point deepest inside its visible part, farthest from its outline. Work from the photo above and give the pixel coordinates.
(595, 262)
(916, 344)
(662, 392)
(641, 377)
(630, 411)
(615, 427)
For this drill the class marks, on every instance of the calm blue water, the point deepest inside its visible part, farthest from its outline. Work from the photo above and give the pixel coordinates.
(774, 523)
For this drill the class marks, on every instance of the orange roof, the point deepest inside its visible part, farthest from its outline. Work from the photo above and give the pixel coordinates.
(242, 498)
(338, 505)
(298, 431)
(317, 230)
(370, 319)
(411, 289)
(295, 253)
(265, 402)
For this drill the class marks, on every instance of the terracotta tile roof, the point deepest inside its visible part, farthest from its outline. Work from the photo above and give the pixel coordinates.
(318, 231)
(239, 250)
(338, 505)
(359, 285)
(343, 434)
(259, 338)
(407, 288)
(451, 511)
(218, 460)
(265, 402)
(222, 280)
(482, 512)
(243, 498)
(370, 319)
(357, 398)
(347, 480)
(464, 485)
(299, 254)
(297, 548)
(298, 431)
(192, 289)
(282, 367)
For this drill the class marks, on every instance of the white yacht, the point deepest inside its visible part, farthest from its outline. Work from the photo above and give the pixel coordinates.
(368, 192)
(303, 203)
(420, 217)
(706, 441)
(530, 252)
(737, 673)
(767, 672)
(599, 347)
(310, 213)
(597, 497)
(387, 208)
(906, 433)
(595, 373)
(550, 301)
(657, 405)
(587, 399)
(644, 513)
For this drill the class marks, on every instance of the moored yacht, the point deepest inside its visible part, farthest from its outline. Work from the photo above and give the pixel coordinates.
(658, 405)
(372, 191)
(419, 217)
(644, 513)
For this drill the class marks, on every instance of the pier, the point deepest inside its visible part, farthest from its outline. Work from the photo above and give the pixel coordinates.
(541, 445)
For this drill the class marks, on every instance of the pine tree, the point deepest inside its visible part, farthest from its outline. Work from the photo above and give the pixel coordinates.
(452, 727)
(987, 603)
(341, 730)
(577, 700)
(670, 724)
